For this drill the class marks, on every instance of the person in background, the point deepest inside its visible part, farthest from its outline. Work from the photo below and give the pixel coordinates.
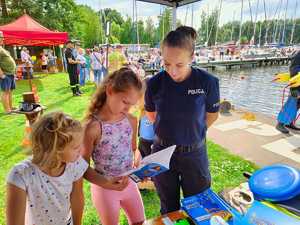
(116, 59)
(87, 57)
(72, 69)
(51, 61)
(27, 70)
(82, 65)
(44, 59)
(287, 115)
(145, 128)
(104, 70)
(96, 65)
(7, 77)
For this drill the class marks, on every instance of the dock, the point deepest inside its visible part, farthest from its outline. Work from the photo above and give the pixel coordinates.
(229, 64)
(257, 62)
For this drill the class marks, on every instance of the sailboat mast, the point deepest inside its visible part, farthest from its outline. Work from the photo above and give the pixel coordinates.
(275, 28)
(250, 8)
(241, 22)
(294, 24)
(137, 26)
(218, 20)
(232, 26)
(267, 24)
(259, 38)
(207, 18)
(284, 23)
(254, 29)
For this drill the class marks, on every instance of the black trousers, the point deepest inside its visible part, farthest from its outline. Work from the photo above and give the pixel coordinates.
(188, 170)
(74, 80)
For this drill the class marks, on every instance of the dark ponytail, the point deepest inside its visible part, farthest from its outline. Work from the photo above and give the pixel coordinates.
(183, 37)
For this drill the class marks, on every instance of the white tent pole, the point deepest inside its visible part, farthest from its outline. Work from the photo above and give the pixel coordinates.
(174, 9)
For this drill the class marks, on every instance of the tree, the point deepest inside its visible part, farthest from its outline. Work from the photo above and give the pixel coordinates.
(208, 28)
(88, 28)
(164, 24)
(3, 8)
(127, 32)
(150, 32)
(112, 15)
(62, 13)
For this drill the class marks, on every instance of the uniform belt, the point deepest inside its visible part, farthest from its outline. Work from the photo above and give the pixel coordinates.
(181, 148)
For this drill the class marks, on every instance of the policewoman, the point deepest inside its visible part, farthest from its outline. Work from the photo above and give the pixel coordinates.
(183, 102)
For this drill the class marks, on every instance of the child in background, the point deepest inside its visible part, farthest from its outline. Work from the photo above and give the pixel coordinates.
(146, 130)
(47, 189)
(146, 137)
(110, 140)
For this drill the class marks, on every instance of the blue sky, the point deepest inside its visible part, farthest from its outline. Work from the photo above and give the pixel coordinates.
(229, 9)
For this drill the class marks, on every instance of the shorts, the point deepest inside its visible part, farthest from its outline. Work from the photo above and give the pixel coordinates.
(8, 83)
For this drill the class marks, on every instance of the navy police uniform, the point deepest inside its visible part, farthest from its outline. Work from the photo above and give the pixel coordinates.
(181, 109)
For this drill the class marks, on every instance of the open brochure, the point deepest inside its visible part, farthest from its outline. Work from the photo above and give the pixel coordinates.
(152, 165)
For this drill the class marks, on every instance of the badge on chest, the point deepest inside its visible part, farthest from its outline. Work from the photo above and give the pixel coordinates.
(198, 91)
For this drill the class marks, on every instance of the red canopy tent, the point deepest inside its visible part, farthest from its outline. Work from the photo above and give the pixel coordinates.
(25, 31)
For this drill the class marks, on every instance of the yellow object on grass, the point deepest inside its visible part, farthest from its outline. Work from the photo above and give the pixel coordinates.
(249, 116)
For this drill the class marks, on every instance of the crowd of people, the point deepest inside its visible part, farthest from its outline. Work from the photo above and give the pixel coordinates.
(92, 65)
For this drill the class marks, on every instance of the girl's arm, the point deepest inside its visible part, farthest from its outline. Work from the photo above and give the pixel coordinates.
(77, 201)
(134, 125)
(92, 133)
(15, 205)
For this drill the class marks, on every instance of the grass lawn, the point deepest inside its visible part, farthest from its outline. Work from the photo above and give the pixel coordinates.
(54, 93)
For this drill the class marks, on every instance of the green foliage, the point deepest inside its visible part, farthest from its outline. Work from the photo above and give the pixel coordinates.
(208, 28)
(83, 23)
(165, 25)
(88, 27)
(55, 14)
(126, 36)
(113, 15)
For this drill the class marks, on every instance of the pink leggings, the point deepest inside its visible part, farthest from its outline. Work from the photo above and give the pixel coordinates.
(109, 202)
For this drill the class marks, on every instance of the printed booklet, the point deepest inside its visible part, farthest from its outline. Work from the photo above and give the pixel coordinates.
(152, 165)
